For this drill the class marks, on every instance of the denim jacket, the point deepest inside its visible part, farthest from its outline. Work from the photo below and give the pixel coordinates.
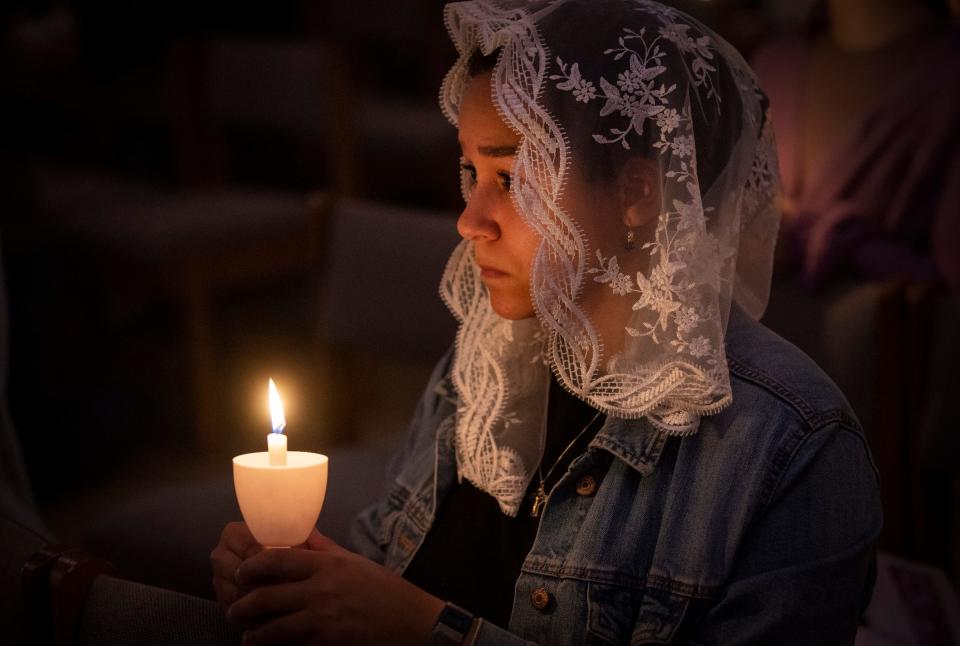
(758, 529)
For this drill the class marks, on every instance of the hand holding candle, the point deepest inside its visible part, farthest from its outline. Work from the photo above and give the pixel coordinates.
(280, 493)
(322, 594)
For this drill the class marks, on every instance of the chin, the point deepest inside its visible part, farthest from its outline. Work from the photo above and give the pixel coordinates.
(513, 309)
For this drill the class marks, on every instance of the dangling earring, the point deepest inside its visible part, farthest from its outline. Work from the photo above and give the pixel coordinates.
(630, 241)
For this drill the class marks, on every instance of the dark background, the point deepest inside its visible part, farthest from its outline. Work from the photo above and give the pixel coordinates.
(107, 118)
(163, 172)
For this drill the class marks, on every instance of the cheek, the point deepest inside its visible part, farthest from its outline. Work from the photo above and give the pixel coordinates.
(524, 250)
(518, 241)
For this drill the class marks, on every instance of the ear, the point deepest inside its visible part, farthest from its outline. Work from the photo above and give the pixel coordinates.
(638, 185)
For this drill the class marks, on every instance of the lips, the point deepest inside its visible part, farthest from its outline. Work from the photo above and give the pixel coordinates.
(489, 272)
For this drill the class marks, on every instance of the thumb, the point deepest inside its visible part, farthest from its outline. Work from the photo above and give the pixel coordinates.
(319, 542)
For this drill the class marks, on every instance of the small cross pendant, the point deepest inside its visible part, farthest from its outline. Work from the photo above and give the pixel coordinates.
(538, 499)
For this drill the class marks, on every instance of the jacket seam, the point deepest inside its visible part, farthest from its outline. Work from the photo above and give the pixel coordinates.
(539, 567)
(643, 461)
(762, 379)
(788, 452)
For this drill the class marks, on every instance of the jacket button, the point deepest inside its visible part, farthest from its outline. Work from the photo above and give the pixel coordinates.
(540, 598)
(406, 543)
(586, 486)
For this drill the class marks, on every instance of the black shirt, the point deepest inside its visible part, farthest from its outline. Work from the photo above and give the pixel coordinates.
(473, 552)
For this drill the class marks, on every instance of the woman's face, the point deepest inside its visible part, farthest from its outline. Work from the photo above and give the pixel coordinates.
(504, 243)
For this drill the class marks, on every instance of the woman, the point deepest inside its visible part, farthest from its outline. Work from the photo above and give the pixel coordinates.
(614, 451)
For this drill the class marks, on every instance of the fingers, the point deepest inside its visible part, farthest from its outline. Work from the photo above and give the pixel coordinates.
(266, 602)
(339, 598)
(319, 542)
(224, 562)
(224, 565)
(277, 565)
(236, 544)
(283, 630)
(237, 538)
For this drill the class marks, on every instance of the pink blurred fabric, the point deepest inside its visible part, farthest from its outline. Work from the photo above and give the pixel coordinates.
(888, 203)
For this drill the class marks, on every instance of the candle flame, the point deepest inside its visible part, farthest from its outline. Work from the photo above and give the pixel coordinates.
(276, 409)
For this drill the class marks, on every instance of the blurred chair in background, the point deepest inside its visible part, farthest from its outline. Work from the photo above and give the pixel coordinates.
(262, 111)
(885, 345)
(284, 101)
(867, 120)
(378, 352)
(935, 494)
(51, 592)
(912, 605)
(867, 117)
(372, 359)
(16, 492)
(405, 147)
(255, 124)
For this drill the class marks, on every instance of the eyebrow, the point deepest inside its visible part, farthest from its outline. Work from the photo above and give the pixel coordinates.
(497, 151)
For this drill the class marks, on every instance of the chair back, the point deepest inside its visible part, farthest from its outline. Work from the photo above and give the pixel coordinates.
(281, 103)
(382, 324)
(381, 267)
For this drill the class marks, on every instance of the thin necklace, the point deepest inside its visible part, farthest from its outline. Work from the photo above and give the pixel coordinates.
(541, 496)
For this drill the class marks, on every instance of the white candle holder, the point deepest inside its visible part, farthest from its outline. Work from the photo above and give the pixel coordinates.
(280, 504)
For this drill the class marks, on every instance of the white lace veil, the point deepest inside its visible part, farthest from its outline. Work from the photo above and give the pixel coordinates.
(630, 319)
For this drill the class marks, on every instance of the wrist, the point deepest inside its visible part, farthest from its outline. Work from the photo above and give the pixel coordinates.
(454, 626)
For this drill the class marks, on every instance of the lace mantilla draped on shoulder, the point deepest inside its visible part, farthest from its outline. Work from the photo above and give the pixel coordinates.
(632, 329)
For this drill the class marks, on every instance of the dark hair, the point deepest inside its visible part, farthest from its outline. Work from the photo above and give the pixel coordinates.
(714, 140)
(480, 63)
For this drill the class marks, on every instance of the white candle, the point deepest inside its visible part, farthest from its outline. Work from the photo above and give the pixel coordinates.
(280, 493)
(280, 504)
(276, 441)
(277, 447)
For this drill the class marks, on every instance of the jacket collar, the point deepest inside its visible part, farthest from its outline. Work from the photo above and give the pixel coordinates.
(635, 441)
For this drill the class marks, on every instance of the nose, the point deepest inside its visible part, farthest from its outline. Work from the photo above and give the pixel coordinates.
(476, 221)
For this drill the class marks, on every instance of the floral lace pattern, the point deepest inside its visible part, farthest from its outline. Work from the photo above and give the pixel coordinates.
(709, 247)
